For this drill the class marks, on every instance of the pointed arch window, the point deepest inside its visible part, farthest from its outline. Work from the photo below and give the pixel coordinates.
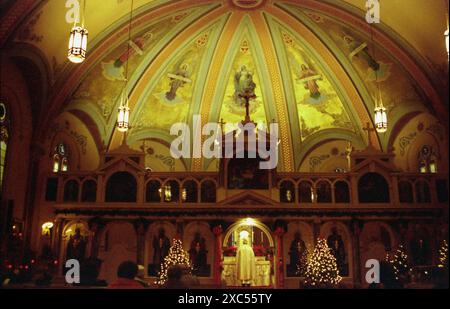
(61, 159)
(4, 138)
(427, 160)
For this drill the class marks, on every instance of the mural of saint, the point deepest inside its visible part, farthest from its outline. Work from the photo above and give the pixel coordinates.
(76, 248)
(309, 77)
(199, 256)
(177, 79)
(336, 244)
(243, 83)
(298, 257)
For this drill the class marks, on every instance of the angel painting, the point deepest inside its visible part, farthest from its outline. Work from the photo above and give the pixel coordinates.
(243, 83)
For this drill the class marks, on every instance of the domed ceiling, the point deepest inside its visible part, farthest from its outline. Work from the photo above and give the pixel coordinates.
(317, 66)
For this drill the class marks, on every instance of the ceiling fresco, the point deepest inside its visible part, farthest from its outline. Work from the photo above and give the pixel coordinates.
(314, 71)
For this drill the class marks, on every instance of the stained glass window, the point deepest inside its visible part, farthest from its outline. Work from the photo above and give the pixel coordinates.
(60, 159)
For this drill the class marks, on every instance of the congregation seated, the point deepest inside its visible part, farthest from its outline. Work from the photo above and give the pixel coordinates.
(90, 270)
(126, 274)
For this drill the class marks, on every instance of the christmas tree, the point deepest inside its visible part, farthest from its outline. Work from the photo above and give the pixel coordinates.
(322, 268)
(400, 265)
(176, 256)
(443, 255)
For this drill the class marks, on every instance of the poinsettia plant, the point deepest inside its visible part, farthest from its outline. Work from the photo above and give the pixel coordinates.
(259, 250)
(230, 251)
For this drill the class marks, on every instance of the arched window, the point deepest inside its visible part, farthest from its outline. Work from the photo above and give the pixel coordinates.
(373, 188)
(121, 188)
(208, 192)
(305, 192)
(89, 191)
(287, 192)
(405, 192)
(171, 191)
(4, 137)
(71, 189)
(60, 158)
(427, 160)
(189, 193)
(341, 192)
(423, 193)
(153, 192)
(323, 192)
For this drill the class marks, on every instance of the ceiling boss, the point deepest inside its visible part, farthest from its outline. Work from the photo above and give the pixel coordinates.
(248, 4)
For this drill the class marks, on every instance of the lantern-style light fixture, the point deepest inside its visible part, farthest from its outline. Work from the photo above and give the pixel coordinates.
(381, 123)
(123, 115)
(446, 41)
(78, 40)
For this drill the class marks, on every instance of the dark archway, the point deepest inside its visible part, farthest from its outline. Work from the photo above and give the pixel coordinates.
(121, 188)
(373, 188)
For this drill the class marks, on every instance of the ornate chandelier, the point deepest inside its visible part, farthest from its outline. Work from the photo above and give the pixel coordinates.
(78, 40)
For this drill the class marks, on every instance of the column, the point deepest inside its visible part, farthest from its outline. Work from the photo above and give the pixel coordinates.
(95, 227)
(279, 263)
(140, 188)
(316, 230)
(356, 229)
(217, 268)
(141, 229)
(354, 199)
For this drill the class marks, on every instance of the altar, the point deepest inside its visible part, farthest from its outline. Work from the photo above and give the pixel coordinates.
(263, 272)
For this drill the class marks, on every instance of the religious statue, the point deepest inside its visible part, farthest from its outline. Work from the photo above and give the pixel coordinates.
(161, 246)
(198, 255)
(76, 247)
(309, 77)
(245, 263)
(361, 50)
(336, 245)
(298, 256)
(243, 84)
(177, 80)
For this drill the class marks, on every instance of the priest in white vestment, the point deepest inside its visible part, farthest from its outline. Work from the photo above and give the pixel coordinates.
(245, 264)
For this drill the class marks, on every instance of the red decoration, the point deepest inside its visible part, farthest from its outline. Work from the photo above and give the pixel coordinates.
(279, 232)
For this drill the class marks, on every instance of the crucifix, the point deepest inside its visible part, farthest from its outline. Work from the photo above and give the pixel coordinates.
(222, 124)
(369, 130)
(247, 96)
(348, 152)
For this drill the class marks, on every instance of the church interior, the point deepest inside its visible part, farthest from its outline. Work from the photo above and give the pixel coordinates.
(354, 97)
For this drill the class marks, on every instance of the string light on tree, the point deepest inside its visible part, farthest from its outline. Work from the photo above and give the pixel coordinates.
(399, 264)
(322, 266)
(443, 255)
(177, 256)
